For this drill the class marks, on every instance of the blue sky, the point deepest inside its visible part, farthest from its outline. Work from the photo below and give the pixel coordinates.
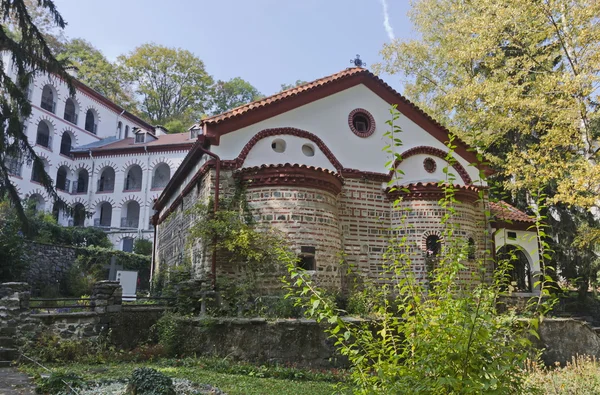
(266, 42)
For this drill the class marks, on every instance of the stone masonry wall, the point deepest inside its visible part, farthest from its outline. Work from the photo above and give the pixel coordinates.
(48, 265)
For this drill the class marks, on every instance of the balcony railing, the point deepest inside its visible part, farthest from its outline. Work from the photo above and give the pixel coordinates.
(106, 186)
(79, 187)
(101, 223)
(130, 222)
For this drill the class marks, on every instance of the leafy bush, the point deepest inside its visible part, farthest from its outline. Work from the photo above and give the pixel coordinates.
(168, 331)
(148, 381)
(12, 245)
(142, 247)
(59, 383)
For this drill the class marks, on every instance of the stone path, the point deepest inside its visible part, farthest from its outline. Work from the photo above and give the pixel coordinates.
(13, 382)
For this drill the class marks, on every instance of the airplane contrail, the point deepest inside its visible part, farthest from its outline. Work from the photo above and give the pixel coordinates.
(386, 21)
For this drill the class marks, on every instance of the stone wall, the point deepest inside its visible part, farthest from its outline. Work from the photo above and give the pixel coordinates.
(301, 342)
(48, 266)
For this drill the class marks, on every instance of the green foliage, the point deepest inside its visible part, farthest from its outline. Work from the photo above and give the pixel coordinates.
(285, 87)
(441, 336)
(59, 383)
(96, 71)
(49, 347)
(148, 381)
(169, 333)
(231, 94)
(580, 376)
(142, 247)
(12, 245)
(171, 82)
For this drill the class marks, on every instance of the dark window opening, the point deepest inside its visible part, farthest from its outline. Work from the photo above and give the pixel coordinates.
(70, 111)
(307, 262)
(65, 144)
(471, 247)
(433, 245)
(90, 122)
(361, 123)
(43, 135)
(128, 244)
(429, 165)
(37, 172)
(139, 138)
(519, 271)
(48, 99)
(512, 235)
(79, 215)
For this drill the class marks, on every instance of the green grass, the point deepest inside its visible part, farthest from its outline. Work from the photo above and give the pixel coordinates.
(233, 384)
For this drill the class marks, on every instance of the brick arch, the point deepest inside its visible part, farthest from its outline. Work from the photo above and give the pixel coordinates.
(132, 235)
(90, 107)
(82, 201)
(129, 198)
(48, 120)
(432, 151)
(66, 164)
(42, 155)
(38, 191)
(239, 161)
(102, 200)
(105, 164)
(133, 162)
(50, 82)
(75, 99)
(428, 233)
(80, 166)
(152, 199)
(161, 160)
(74, 137)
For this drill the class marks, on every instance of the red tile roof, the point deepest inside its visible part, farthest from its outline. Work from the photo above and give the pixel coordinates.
(505, 212)
(166, 142)
(282, 95)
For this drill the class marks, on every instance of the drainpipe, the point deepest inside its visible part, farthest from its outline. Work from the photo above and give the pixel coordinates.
(148, 180)
(91, 180)
(215, 209)
(155, 224)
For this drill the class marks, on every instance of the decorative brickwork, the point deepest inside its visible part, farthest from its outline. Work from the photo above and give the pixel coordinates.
(370, 127)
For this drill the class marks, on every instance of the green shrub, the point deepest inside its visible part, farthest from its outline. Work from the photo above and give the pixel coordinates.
(142, 247)
(148, 381)
(168, 330)
(59, 383)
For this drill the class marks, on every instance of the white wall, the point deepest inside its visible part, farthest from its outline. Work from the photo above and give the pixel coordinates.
(526, 240)
(328, 119)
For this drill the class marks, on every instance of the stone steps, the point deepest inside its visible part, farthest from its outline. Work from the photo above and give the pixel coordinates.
(8, 354)
(7, 342)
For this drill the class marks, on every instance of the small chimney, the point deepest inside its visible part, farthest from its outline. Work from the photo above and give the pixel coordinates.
(72, 71)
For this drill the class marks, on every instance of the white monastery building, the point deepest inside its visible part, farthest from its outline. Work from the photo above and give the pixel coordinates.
(103, 159)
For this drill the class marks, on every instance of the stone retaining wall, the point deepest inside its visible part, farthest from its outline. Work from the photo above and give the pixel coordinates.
(48, 266)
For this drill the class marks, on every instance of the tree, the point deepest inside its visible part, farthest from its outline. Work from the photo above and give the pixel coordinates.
(29, 54)
(142, 247)
(170, 82)
(519, 80)
(96, 71)
(285, 87)
(233, 93)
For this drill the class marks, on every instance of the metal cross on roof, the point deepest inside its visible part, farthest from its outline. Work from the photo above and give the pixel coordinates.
(358, 62)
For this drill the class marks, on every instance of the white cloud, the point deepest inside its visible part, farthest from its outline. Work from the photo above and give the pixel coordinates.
(386, 21)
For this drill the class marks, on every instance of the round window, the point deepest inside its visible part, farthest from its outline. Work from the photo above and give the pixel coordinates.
(308, 150)
(429, 165)
(278, 145)
(361, 122)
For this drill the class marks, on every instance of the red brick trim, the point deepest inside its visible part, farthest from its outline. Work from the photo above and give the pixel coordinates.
(288, 174)
(432, 191)
(462, 172)
(101, 153)
(367, 114)
(429, 165)
(239, 161)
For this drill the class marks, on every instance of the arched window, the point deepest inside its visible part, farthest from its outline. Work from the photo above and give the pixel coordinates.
(70, 111)
(43, 134)
(433, 245)
(48, 102)
(119, 129)
(81, 185)
(37, 203)
(126, 131)
(91, 124)
(38, 171)
(519, 271)
(78, 215)
(103, 216)
(133, 179)
(128, 244)
(62, 183)
(14, 165)
(106, 183)
(65, 144)
(161, 176)
(130, 215)
(471, 248)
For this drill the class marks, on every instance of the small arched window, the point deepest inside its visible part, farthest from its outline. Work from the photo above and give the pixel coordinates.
(106, 183)
(91, 124)
(161, 177)
(103, 215)
(38, 171)
(43, 134)
(471, 248)
(433, 245)
(119, 129)
(70, 111)
(126, 131)
(81, 185)
(65, 144)
(48, 98)
(133, 179)
(78, 215)
(62, 183)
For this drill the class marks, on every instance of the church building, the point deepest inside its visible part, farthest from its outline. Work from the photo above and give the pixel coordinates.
(313, 165)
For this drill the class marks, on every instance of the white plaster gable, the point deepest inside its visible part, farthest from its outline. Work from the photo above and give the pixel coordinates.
(327, 118)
